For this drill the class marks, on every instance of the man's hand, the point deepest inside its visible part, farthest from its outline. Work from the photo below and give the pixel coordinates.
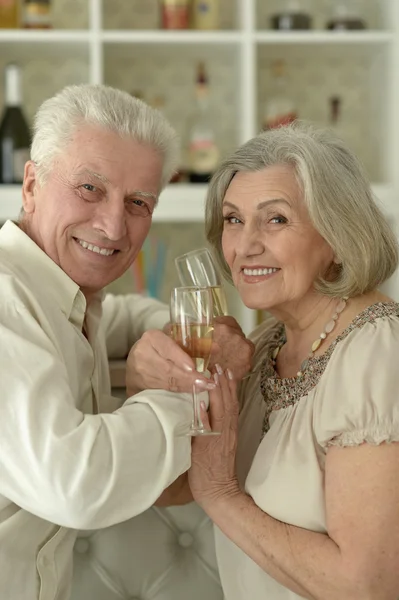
(157, 362)
(177, 493)
(230, 348)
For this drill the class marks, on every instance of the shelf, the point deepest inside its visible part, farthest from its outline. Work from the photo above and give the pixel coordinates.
(59, 36)
(171, 37)
(177, 203)
(324, 37)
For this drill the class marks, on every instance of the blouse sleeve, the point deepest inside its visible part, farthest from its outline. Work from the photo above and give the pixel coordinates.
(357, 399)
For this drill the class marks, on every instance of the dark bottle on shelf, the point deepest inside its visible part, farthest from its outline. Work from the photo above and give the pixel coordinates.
(345, 16)
(14, 130)
(293, 16)
(203, 152)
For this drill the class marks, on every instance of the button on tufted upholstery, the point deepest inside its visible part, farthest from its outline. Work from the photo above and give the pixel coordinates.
(162, 554)
(186, 539)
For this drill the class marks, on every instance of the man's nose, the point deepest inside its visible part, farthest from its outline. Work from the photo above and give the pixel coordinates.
(111, 219)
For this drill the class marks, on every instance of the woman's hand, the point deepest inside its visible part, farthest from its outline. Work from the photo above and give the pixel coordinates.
(212, 473)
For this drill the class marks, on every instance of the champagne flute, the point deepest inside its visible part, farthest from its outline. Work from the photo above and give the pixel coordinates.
(197, 268)
(191, 316)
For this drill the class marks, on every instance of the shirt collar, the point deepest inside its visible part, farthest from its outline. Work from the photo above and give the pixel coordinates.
(41, 273)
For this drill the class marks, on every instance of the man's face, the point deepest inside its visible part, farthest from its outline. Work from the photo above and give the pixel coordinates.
(94, 211)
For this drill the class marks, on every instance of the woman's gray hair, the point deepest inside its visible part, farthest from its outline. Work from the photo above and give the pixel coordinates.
(58, 117)
(338, 197)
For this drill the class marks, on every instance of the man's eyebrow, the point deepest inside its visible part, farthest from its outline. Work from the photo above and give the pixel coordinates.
(104, 179)
(93, 174)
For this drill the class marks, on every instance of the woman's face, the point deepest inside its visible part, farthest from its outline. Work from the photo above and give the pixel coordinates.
(274, 252)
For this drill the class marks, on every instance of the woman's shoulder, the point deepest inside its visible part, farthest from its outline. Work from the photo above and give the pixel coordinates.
(380, 319)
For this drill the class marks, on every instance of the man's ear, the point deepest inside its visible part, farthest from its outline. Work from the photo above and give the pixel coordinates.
(29, 187)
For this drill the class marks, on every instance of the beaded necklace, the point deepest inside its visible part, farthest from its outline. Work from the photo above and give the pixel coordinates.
(328, 328)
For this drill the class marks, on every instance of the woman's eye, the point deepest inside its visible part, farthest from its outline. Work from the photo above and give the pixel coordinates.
(231, 220)
(278, 219)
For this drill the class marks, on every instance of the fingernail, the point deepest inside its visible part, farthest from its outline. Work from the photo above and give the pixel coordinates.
(188, 368)
(216, 378)
(219, 369)
(206, 385)
(229, 374)
(203, 405)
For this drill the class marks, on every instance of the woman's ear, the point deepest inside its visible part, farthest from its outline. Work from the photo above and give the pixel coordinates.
(29, 187)
(337, 261)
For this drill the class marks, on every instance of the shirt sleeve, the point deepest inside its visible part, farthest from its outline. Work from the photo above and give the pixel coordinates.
(357, 399)
(73, 469)
(126, 317)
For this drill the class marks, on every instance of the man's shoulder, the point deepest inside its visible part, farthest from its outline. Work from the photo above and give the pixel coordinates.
(14, 288)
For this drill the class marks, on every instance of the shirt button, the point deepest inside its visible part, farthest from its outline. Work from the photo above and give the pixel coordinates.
(185, 539)
(82, 545)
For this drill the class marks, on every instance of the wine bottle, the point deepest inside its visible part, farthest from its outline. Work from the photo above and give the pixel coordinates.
(14, 130)
(203, 152)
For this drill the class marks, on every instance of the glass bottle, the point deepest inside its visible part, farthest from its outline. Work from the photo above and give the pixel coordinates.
(9, 14)
(345, 15)
(293, 15)
(203, 152)
(14, 130)
(280, 109)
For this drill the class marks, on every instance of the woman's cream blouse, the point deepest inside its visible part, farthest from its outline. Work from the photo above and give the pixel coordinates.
(347, 396)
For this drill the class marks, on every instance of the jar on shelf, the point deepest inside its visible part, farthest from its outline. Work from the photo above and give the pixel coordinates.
(9, 14)
(293, 15)
(345, 15)
(280, 108)
(175, 14)
(205, 14)
(37, 14)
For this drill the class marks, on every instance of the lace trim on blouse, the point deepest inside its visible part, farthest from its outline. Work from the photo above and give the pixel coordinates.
(279, 393)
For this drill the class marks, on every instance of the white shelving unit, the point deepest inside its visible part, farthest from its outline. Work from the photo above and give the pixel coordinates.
(242, 45)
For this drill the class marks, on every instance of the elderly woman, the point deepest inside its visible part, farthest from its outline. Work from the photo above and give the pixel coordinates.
(305, 497)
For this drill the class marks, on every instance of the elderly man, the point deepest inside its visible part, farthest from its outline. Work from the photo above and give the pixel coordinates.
(99, 161)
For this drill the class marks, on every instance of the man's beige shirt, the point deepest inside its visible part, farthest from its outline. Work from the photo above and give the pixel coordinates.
(65, 464)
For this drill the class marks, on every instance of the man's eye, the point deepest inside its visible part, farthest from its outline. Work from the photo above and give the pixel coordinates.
(138, 207)
(89, 187)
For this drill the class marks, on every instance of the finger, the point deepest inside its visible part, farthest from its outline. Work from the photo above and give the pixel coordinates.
(179, 380)
(216, 406)
(228, 388)
(232, 384)
(168, 349)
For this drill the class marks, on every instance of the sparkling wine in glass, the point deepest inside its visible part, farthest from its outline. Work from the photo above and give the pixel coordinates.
(197, 268)
(191, 316)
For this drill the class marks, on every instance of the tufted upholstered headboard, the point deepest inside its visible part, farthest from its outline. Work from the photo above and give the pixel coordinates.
(162, 554)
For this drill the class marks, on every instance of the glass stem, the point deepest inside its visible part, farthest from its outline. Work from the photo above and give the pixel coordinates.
(197, 423)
